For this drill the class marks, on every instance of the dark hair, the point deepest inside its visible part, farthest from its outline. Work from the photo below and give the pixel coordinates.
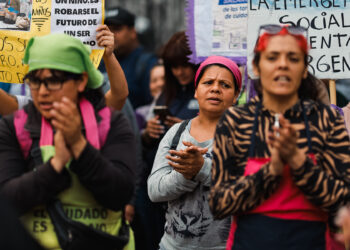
(308, 88)
(158, 63)
(175, 53)
(222, 66)
(95, 96)
(176, 50)
(59, 74)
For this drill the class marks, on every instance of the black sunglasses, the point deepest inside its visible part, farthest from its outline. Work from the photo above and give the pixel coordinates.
(51, 83)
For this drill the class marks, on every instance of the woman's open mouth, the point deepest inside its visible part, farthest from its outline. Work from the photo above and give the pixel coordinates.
(214, 100)
(45, 105)
(283, 79)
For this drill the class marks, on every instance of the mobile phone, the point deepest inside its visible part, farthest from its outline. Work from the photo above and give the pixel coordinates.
(162, 112)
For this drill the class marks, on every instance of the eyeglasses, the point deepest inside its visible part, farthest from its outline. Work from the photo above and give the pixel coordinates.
(274, 29)
(51, 83)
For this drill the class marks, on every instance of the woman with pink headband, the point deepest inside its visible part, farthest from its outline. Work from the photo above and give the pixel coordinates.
(280, 162)
(181, 170)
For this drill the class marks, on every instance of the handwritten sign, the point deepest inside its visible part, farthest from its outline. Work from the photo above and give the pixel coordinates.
(217, 28)
(328, 24)
(25, 19)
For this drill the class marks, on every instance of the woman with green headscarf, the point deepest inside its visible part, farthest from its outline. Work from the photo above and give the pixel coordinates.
(66, 145)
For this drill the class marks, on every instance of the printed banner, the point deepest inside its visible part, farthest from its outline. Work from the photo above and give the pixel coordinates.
(230, 27)
(217, 27)
(22, 19)
(328, 24)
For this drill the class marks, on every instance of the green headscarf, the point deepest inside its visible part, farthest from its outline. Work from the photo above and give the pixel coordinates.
(62, 52)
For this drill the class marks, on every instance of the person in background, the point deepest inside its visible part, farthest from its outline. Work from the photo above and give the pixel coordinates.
(323, 95)
(133, 58)
(178, 96)
(115, 93)
(156, 85)
(281, 163)
(181, 175)
(178, 93)
(86, 151)
(131, 214)
(157, 80)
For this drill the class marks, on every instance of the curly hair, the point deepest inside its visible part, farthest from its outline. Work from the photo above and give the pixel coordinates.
(175, 53)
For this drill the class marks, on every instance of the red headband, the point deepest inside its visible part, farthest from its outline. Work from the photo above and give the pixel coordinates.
(231, 65)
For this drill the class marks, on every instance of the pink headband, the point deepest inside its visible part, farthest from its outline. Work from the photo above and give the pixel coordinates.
(231, 65)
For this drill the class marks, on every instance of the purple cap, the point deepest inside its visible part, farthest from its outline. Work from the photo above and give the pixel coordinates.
(231, 65)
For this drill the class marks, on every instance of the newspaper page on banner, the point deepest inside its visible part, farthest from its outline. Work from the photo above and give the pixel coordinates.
(217, 27)
(328, 24)
(230, 27)
(22, 19)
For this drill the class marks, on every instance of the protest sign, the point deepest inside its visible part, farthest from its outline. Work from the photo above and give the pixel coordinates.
(328, 24)
(23, 19)
(217, 28)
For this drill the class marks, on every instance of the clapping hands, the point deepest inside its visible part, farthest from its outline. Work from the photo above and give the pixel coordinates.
(284, 148)
(189, 161)
(69, 141)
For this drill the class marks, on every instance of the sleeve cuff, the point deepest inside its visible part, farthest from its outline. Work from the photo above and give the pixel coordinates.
(204, 173)
(306, 167)
(85, 158)
(54, 181)
(181, 180)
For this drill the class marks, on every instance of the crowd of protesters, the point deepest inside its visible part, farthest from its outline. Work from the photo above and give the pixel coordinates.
(153, 153)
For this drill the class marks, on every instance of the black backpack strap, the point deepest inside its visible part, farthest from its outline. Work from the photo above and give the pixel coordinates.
(35, 152)
(177, 136)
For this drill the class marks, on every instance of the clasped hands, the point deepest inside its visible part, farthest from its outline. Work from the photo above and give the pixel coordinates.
(68, 140)
(284, 148)
(188, 161)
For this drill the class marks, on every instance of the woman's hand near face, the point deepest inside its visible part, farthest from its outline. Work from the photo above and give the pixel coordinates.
(171, 120)
(62, 153)
(286, 144)
(154, 129)
(66, 118)
(187, 162)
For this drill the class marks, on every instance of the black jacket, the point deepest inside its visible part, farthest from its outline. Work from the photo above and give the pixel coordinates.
(108, 174)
